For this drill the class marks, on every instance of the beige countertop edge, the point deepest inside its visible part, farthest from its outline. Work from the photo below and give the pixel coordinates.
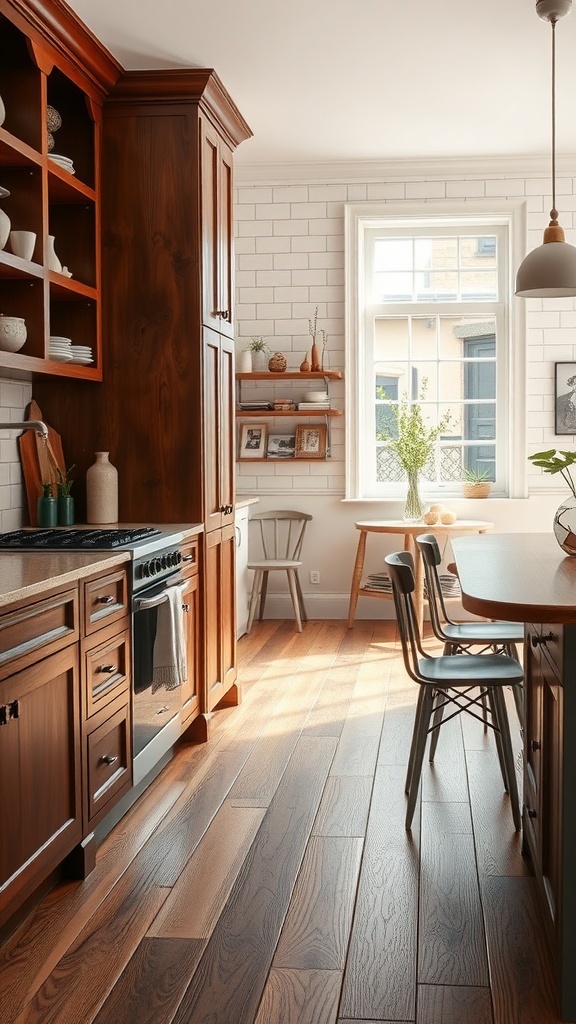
(245, 500)
(25, 574)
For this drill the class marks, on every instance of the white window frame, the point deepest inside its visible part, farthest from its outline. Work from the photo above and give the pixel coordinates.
(361, 218)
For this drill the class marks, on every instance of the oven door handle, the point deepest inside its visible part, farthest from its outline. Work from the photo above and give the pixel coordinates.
(143, 603)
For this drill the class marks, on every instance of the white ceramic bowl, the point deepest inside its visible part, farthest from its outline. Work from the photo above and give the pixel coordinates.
(315, 396)
(12, 333)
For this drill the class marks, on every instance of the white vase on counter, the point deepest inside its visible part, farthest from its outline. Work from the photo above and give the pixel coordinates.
(102, 491)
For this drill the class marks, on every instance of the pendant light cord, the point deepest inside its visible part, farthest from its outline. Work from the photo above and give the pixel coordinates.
(553, 211)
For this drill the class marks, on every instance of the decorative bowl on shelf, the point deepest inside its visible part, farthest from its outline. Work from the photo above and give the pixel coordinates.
(13, 333)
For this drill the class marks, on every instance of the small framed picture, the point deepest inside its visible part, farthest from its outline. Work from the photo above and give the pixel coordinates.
(565, 398)
(253, 441)
(281, 446)
(311, 442)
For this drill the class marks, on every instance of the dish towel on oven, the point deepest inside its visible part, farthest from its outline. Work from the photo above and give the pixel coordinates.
(169, 657)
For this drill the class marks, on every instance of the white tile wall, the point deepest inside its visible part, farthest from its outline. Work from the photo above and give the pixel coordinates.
(14, 397)
(296, 235)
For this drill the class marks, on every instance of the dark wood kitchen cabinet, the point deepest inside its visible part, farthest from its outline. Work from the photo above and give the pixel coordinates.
(191, 607)
(40, 776)
(49, 59)
(165, 410)
(220, 577)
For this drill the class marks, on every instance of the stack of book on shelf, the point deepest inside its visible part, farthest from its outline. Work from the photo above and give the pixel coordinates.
(312, 406)
(284, 405)
(255, 406)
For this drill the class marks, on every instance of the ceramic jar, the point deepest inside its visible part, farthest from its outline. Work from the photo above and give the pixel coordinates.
(47, 510)
(102, 491)
(52, 259)
(245, 361)
(13, 333)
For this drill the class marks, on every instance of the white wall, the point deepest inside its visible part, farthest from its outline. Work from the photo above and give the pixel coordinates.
(290, 257)
(14, 397)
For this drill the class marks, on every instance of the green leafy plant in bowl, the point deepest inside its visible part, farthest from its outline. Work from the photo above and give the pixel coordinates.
(476, 483)
(554, 461)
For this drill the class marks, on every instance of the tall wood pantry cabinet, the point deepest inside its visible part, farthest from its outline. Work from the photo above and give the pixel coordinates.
(165, 409)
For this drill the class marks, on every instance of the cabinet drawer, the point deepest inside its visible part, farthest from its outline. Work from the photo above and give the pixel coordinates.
(108, 761)
(36, 630)
(552, 647)
(104, 600)
(106, 671)
(190, 556)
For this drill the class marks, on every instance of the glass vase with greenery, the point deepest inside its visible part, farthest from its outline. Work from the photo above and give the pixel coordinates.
(413, 441)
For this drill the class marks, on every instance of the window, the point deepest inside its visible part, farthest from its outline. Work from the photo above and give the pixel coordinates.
(431, 298)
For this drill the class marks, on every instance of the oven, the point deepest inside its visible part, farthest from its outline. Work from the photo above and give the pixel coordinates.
(159, 665)
(157, 624)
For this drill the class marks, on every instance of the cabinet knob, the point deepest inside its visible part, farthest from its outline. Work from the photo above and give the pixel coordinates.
(14, 709)
(531, 812)
(108, 758)
(185, 607)
(536, 640)
(224, 313)
(3, 715)
(535, 744)
(226, 509)
(105, 599)
(106, 668)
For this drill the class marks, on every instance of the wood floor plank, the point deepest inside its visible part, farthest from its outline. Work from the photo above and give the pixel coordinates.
(317, 927)
(300, 997)
(230, 978)
(497, 844)
(380, 974)
(153, 982)
(446, 778)
(520, 970)
(451, 948)
(344, 806)
(441, 1004)
(84, 976)
(198, 896)
(56, 923)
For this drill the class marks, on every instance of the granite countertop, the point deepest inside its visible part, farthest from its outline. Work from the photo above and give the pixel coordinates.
(25, 574)
(28, 573)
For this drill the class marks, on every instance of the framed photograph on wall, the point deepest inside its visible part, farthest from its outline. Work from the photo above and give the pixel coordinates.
(253, 441)
(311, 442)
(565, 398)
(281, 446)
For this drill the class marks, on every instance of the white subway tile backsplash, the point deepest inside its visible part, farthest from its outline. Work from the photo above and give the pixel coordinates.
(274, 211)
(425, 190)
(273, 278)
(290, 194)
(274, 244)
(255, 228)
(263, 261)
(314, 243)
(253, 195)
(291, 261)
(291, 227)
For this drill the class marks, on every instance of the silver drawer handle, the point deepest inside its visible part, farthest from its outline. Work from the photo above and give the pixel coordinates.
(109, 758)
(106, 599)
(188, 558)
(106, 668)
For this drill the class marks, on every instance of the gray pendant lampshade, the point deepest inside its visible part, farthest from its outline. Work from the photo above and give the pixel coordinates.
(550, 270)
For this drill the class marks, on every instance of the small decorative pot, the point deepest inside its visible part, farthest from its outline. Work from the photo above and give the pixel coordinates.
(259, 361)
(480, 490)
(13, 333)
(65, 510)
(565, 526)
(277, 363)
(53, 261)
(47, 511)
(245, 361)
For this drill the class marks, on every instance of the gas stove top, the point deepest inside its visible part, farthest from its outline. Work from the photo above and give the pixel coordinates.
(65, 539)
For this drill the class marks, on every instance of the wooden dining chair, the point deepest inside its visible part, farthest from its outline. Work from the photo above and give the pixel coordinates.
(449, 685)
(464, 637)
(281, 538)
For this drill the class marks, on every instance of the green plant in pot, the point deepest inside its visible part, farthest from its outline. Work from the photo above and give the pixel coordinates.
(554, 461)
(258, 347)
(65, 499)
(476, 483)
(413, 441)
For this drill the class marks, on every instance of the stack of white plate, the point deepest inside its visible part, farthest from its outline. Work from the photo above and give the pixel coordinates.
(63, 161)
(61, 349)
(82, 354)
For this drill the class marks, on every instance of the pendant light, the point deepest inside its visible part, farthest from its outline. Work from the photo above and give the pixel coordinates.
(550, 270)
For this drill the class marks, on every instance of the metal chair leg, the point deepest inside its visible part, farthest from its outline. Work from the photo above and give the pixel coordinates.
(421, 725)
(417, 716)
(499, 706)
(436, 724)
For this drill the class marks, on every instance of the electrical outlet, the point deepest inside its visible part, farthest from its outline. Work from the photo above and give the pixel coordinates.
(314, 576)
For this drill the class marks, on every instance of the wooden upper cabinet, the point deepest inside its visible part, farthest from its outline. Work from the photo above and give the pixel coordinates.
(217, 231)
(49, 62)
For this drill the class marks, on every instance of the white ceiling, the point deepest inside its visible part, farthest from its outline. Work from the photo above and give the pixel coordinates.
(369, 80)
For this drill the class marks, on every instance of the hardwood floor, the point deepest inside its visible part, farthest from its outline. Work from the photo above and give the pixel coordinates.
(266, 877)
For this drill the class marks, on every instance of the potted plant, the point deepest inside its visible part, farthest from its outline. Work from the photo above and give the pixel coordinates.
(65, 499)
(47, 513)
(554, 461)
(258, 348)
(476, 483)
(413, 441)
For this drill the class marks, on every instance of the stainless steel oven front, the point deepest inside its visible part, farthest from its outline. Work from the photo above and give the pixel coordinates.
(157, 647)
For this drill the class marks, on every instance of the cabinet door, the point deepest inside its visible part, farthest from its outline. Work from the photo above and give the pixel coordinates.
(217, 231)
(191, 602)
(218, 426)
(220, 638)
(243, 574)
(40, 797)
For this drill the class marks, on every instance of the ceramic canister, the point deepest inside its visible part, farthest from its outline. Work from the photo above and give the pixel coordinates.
(102, 491)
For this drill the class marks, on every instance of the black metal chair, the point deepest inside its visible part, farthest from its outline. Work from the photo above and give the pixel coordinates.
(452, 683)
(462, 637)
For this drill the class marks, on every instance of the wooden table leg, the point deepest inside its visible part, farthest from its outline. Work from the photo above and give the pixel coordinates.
(418, 582)
(357, 577)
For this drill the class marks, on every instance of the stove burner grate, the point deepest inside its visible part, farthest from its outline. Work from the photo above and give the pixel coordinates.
(75, 539)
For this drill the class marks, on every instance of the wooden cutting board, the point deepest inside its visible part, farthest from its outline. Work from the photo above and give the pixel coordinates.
(39, 461)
